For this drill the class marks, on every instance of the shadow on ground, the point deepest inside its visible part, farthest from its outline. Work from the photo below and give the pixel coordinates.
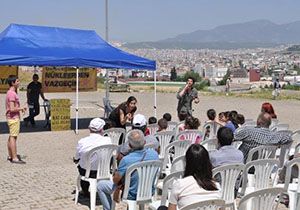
(83, 123)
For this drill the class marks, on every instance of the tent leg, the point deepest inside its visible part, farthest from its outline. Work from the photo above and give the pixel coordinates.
(77, 89)
(155, 104)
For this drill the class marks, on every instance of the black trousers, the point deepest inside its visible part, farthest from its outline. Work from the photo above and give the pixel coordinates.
(85, 185)
(34, 110)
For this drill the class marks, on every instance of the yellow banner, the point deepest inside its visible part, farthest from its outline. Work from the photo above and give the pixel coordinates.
(5, 71)
(64, 79)
(60, 114)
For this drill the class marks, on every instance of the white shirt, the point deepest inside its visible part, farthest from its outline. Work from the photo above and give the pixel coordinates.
(186, 191)
(88, 143)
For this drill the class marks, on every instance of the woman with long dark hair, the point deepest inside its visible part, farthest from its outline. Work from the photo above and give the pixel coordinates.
(123, 113)
(197, 183)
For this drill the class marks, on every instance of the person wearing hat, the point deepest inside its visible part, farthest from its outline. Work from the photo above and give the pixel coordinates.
(86, 144)
(139, 122)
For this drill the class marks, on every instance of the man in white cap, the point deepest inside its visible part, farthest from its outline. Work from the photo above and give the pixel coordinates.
(139, 122)
(86, 144)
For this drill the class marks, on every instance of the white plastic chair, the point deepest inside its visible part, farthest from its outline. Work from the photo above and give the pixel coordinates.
(179, 147)
(178, 164)
(172, 126)
(249, 123)
(148, 173)
(296, 140)
(166, 186)
(164, 139)
(293, 189)
(213, 204)
(263, 170)
(181, 123)
(190, 135)
(282, 153)
(103, 154)
(210, 144)
(236, 144)
(115, 134)
(262, 152)
(264, 199)
(152, 129)
(229, 175)
(214, 127)
(280, 127)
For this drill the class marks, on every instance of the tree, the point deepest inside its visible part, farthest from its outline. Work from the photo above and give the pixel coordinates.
(192, 74)
(173, 74)
(223, 81)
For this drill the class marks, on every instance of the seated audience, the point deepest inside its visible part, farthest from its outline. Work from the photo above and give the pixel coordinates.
(137, 154)
(197, 183)
(211, 115)
(167, 116)
(268, 108)
(86, 144)
(140, 123)
(226, 154)
(260, 135)
(162, 125)
(152, 120)
(192, 123)
(240, 120)
(226, 120)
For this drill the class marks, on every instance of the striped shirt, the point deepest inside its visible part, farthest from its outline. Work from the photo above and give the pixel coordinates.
(254, 137)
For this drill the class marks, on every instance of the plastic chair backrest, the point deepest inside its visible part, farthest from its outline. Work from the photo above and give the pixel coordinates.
(213, 204)
(167, 183)
(164, 139)
(280, 127)
(236, 144)
(289, 167)
(249, 123)
(229, 175)
(297, 148)
(115, 134)
(181, 123)
(152, 129)
(178, 164)
(284, 153)
(262, 173)
(103, 155)
(214, 127)
(148, 173)
(172, 126)
(261, 200)
(261, 152)
(190, 135)
(210, 144)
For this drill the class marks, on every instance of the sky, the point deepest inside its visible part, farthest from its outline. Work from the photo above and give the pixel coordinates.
(145, 20)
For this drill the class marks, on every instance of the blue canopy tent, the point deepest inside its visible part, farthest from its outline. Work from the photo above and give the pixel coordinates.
(26, 45)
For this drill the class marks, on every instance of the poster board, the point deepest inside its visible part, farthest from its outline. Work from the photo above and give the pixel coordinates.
(5, 71)
(60, 114)
(64, 79)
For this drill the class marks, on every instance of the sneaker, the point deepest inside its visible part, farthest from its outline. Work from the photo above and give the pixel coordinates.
(18, 161)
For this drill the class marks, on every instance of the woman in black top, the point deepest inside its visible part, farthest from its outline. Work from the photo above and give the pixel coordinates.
(123, 113)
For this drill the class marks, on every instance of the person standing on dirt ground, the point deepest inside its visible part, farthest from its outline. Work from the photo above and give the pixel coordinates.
(13, 109)
(276, 90)
(34, 90)
(227, 88)
(186, 95)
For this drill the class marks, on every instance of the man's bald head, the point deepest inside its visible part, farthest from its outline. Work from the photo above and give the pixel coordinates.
(264, 120)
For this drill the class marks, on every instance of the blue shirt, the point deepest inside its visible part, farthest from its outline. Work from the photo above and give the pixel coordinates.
(128, 160)
(226, 155)
(230, 125)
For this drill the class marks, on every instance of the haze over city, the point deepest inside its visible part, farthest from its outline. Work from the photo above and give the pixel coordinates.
(145, 20)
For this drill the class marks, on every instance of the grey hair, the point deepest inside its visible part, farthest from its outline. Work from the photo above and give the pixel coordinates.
(264, 120)
(136, 139)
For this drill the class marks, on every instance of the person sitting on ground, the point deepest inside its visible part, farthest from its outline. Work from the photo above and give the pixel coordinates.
(260, 135)
(227, 153)
(167, 116)
(95, 139)
(197, 183)
(123, 113)
(140, 123)
(138, 154)
(192, 123)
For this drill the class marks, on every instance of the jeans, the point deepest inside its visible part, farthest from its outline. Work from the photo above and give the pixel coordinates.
(105, 190)
(34, 110)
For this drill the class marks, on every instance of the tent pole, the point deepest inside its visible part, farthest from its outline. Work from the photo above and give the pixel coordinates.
(77, 88)
(155, 94)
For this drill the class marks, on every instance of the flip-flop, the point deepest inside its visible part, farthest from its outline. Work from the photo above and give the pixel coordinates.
(18, 161)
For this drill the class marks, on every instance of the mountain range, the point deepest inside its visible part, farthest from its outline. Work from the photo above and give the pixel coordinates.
(257, 33)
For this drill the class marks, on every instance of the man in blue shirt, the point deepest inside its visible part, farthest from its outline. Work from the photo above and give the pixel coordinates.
(227, 153)
(138, 154)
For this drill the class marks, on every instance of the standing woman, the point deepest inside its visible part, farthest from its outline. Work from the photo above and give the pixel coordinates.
(13, 109)
(123, 113)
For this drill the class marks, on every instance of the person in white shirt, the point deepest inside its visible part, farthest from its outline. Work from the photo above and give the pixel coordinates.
(197, 183)
(86, 144)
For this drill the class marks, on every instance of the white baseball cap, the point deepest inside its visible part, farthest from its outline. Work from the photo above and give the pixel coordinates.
(96, 124)
(139, 120)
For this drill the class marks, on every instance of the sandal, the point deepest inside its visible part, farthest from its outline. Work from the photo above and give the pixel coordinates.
(18, 161)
